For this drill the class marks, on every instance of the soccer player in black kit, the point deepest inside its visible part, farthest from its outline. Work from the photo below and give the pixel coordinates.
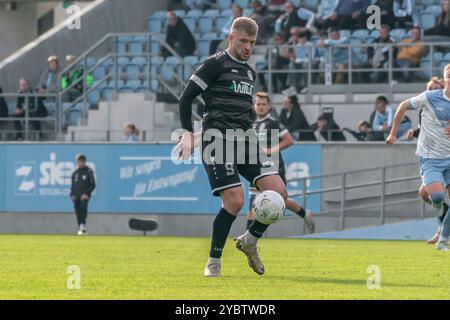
(264, 124)
(226, 82)
(83, 183)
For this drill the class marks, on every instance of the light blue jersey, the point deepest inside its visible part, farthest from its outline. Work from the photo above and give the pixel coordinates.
(435, 105)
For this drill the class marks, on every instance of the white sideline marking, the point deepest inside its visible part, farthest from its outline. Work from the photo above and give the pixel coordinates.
(145, 158)
(159, 198)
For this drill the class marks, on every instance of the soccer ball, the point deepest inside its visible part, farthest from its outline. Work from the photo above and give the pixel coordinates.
(268, 207)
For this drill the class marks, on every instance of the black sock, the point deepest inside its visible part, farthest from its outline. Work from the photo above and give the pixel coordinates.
(257, 229)
(445, 208)
(301, 213)
(221, 229)
(249, 223)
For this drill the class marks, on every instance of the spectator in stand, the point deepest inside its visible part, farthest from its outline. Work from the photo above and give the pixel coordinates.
(299, 60)
(362, 133)
(320, 57)
(75, 76)
(328, 129)
(326, 16)
(290, 19)
(293, 118)
(387, 12)
(280, 61)
(131, 132)
(385, 115)
(237, 13)
(405, 13)
(340, 54)
(442, 25)
(35, 107)
(179, 37)
(48, 82)
(276, 6)
(352, 14)
(264, 20)
(409, 56)
(378, 56)
(4, 112)
(198, 4)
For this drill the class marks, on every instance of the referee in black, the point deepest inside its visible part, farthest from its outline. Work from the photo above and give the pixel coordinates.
(226, 82)
(83, 183)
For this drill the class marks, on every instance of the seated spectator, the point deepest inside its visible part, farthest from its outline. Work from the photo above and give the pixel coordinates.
(339, 54)
(328, 129)
(362, 133)
(326, 16)
(405, 13)
(198, 4)
(320, 57)
(4, 111)
(384, 116)
(290, 19)
(299, 60)
(264, 20)
(48, 82)
(352, 14)
(293, 118)
(33, 104)
(378, 55)
(442, 25)
(178, 36)
(409, 56)
(280, 61)
(131, 132)
(75, 76)
(387, 12)
(237, 13)
(276, 6)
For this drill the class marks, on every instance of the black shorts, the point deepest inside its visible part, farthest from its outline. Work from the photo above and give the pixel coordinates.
(223, 172)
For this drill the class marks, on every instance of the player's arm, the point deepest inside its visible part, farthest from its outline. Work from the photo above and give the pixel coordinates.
(285, 141)
(91, 182)
(198, 83)
(398, 117)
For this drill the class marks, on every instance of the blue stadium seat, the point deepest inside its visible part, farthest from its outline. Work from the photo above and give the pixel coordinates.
(194, 13)
(94, 97)
(135, 48)
(191, 62)
(124, 38)
(205, 24)
(154, 25)
(141, 38)
(99, 73)
(247, 12)
(434, 9)
(360, 33)
(398, 34)
(375, 33)
(191, 23)
(224, 4)
(242, 3)
(227, 13)
(154, 47)
(121, 48)
(427, 20)
(296, 3)
(140, 61)
(427, 2)
(109, 61)
(99, 84)
(108, 93)
(221, 21)
(133, 71)
(203, 46)
(210, 36)
(211, 13)
(131, 85)
(311, 3)
(345, 33)
(74, 117)
(438, 56)
(180, 13)
(120, 83)
(369, 39)
(154, 86)
(426, 64)
(123, 61)
(447, 56)
(160, 14)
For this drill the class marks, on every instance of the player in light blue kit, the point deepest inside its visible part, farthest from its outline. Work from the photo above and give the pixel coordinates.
(433, 146)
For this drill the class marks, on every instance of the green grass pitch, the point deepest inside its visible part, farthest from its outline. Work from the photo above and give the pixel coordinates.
(35, 267)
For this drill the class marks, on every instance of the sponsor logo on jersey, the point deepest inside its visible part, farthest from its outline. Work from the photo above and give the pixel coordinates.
(242, 87)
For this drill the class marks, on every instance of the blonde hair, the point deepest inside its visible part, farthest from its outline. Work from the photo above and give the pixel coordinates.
(263, 95)
(447, 67)
(246, 25)
(434, 80)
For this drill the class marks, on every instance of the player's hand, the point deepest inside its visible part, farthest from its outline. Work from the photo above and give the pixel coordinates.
(84, 197)
(390, 139)
(410, 134)
(186, 145)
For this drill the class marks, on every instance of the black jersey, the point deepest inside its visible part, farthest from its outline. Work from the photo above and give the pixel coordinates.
(264, 127)
(227, 85)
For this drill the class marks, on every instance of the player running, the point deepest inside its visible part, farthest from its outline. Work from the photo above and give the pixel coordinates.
(433, 84)
(226, 82)
(264, 124)
(433, 146)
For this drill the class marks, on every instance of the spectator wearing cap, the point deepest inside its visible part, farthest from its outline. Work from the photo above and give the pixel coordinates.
(48, 82)
(178, 36)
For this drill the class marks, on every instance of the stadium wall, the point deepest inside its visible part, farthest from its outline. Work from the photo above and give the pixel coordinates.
(141, 180)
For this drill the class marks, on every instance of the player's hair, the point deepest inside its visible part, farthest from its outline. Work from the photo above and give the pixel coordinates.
(133, 128)
(434, 80)
(263, 95)
(81, 157)
(246, 25)
(447, 67)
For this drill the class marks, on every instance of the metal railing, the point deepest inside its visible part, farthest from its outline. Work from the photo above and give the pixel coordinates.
(29, 124)
(342, 187)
